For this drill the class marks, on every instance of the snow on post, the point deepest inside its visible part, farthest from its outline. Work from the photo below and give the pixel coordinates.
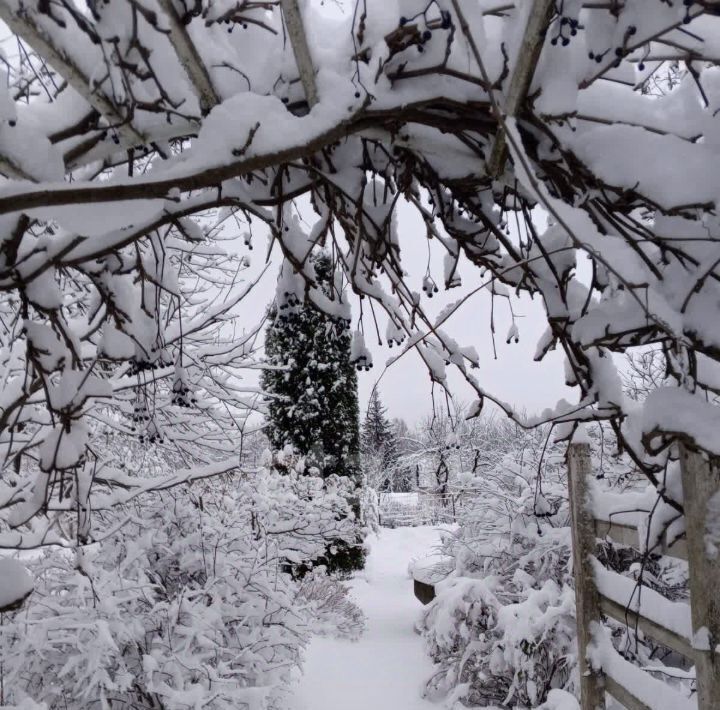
(586, 593)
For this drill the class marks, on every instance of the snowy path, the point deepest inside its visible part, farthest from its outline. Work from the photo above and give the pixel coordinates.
(387, 668)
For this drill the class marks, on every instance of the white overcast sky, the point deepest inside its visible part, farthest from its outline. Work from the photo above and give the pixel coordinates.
(405, 387)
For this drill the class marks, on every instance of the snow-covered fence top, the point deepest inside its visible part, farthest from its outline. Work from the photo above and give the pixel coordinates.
(427, 572)
(638, 520)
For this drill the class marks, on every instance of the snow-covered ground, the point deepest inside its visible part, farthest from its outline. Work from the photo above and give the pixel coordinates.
(387, 668)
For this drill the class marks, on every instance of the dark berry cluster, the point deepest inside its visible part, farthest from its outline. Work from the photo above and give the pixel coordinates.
(567, 27)
(113, 136)
(290, 301)
(287, 305)
(396, 339)
(429, 286)
(151, 435)
(155, 360)
(182, 395)
(429, 18)
(234, 23)
(619, 52)
(140, 414)
(362, 362)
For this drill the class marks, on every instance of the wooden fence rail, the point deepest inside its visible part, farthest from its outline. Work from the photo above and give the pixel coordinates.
(691, 630)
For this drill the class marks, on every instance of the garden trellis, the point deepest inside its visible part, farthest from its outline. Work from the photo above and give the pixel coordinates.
(123, 121)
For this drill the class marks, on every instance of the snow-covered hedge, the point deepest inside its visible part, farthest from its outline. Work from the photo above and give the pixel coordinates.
(189, 605)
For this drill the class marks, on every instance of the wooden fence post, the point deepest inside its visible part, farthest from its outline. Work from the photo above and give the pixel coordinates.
(587, 601)
(701, 482)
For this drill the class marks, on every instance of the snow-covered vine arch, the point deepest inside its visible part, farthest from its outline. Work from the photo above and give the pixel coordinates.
(122, 119)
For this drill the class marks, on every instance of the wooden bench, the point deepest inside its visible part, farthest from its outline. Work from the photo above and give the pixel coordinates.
(423, 591)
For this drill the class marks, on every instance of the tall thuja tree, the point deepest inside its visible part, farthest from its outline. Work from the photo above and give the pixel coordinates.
(379, 445)
(311, 385)
(311, 388)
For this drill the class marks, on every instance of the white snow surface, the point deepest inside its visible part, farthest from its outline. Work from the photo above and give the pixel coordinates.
(386, 669)
(15, 582)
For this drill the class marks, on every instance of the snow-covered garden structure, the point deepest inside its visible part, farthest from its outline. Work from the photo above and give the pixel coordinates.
(130, 130)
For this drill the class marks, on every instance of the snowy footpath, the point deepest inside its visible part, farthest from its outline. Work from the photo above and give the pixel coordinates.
(387, 667)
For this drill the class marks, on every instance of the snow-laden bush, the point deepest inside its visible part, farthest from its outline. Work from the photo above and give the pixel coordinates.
(370, 508)
(189, 605)
(336, 614)
(344, 554)
(502, 629)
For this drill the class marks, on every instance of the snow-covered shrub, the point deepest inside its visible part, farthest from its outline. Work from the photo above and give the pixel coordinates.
(187, 605)
(335, 613)
(370, 508)
(502, 627)
(492, 650)
(342, 555)
(560, 700)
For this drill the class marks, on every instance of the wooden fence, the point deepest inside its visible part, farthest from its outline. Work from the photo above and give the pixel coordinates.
(421, 507)
(691, 630)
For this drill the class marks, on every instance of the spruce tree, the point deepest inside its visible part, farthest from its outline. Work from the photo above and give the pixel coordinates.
(379, 443)
(312, 400)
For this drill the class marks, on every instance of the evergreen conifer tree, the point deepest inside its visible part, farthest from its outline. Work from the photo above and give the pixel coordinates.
(312, 397)
(313, 403)
(379, 443)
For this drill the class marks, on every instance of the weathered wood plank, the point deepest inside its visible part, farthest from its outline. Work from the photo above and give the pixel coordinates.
(668, 638)
(624, 534)
(523, 71)
(676, 549)
(636, 688)
(623, 695)
(618, 532)
(701, 488)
